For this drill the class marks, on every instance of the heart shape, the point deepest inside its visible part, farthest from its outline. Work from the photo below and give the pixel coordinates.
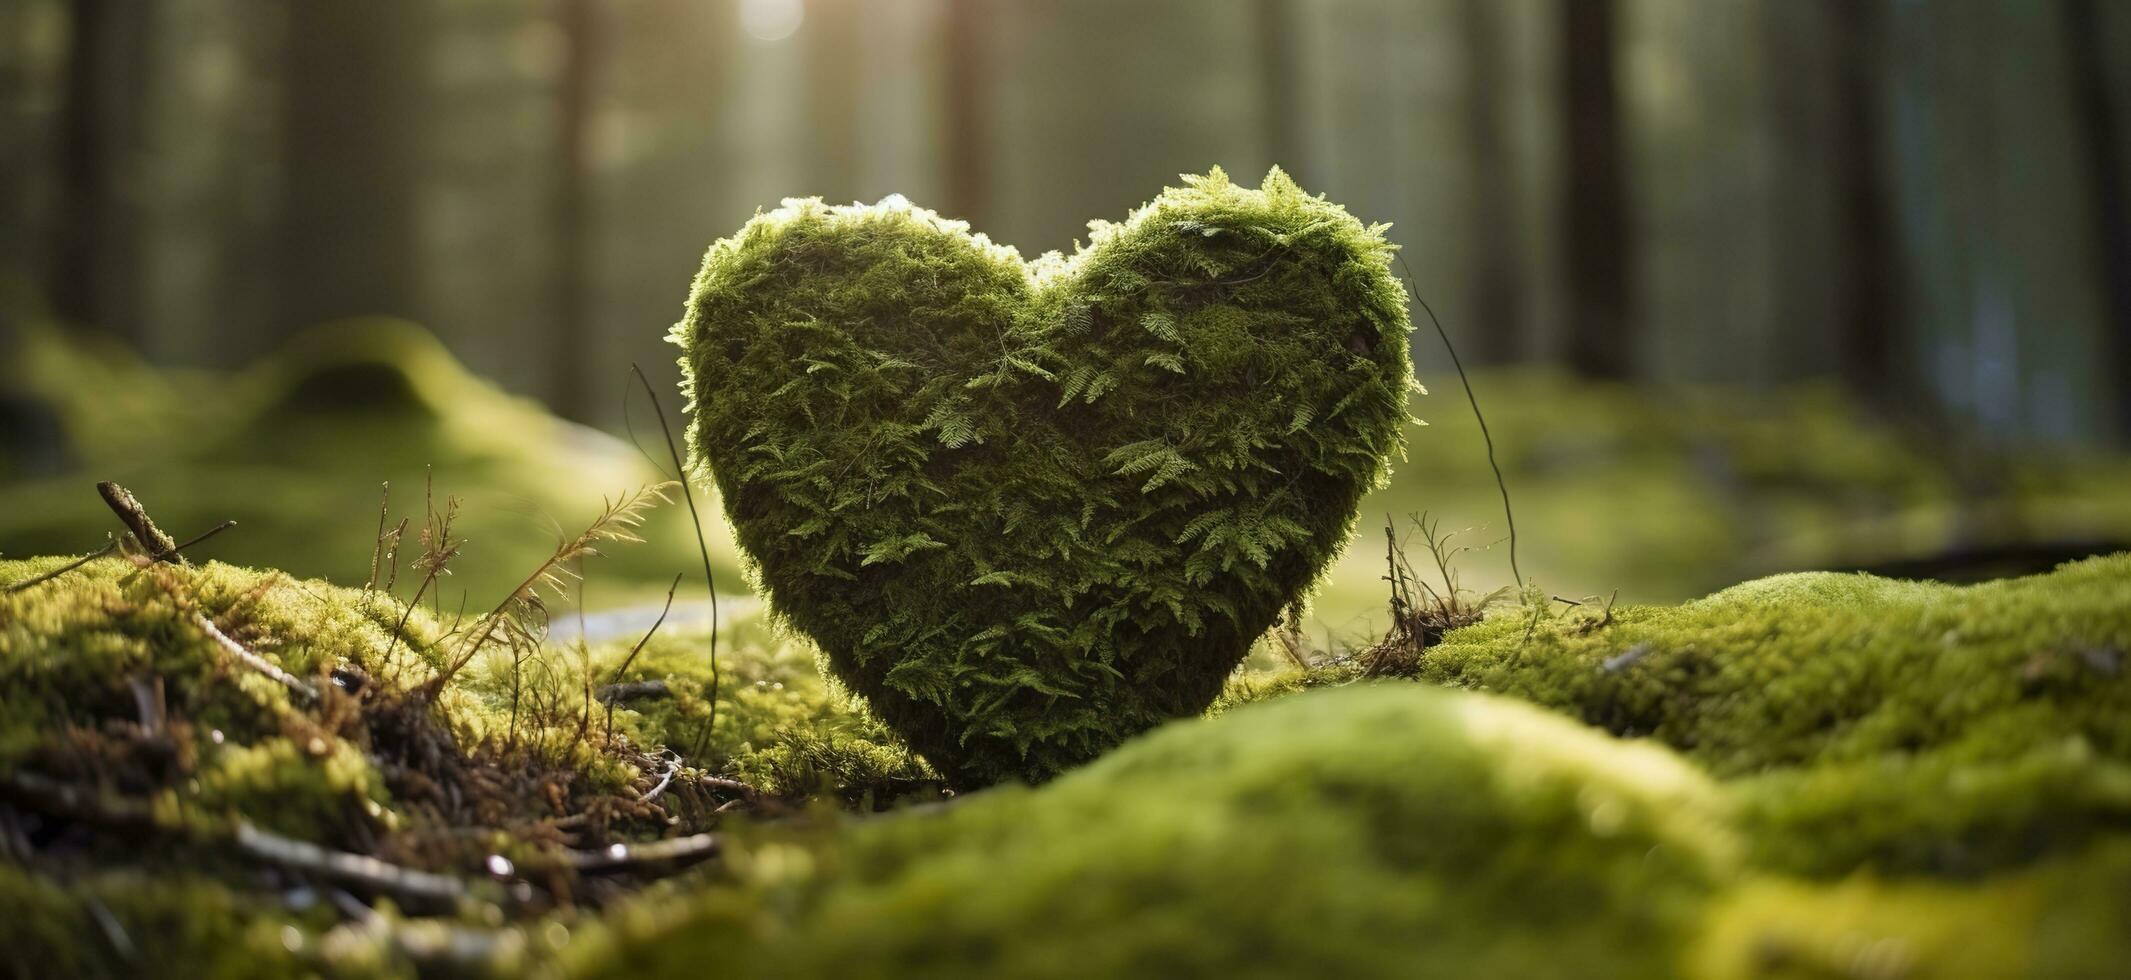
(1028, 510)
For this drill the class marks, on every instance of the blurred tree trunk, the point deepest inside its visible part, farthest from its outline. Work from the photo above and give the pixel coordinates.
(967, 154)
(1872, 280)
(1601, 337)
(1279, 80)
(1498, 299)
(834, 53)
(353, 116)
(1796, 78)
(571, 354)
(96, 262)
(2095, 114)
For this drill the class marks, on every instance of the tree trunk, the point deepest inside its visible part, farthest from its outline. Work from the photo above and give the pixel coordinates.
(573, 349)
(1279, 82)
(96, 260)
(2095, 113)
(968, 139)
(1497, 292)
(1602, 341)
(1872, 280)
(352, 128)
(833, 49)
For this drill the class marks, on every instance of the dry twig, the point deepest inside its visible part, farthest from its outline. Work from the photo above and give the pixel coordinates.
(253, 660)
(710, 581)
(108, 548)
(621, 857)
(153, 541)
(631, 658)
(523, 612)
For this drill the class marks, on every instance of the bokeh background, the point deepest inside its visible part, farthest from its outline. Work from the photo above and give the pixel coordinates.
(1747, 285)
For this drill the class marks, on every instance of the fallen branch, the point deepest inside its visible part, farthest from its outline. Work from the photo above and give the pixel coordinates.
(202, 536)
(621, 857)
(729, 785)
(59, 799)
(344, 867)
(673, 765)
(639, 648)
(633, 691)
(253, 660)
(108, 548)
(710, 580)
(159, 546)
(56, 798)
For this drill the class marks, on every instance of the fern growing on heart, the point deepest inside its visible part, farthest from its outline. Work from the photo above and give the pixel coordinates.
(1028, 510)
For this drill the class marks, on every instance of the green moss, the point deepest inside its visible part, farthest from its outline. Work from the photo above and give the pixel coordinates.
(1028, 510)
(781, 726)
(1935, 812)
(127, 924)
(1904, 725)
(111, 686)
(1385, 831)
(1891, 804)
(83, 656)
(1826, 667)
(2061, 919)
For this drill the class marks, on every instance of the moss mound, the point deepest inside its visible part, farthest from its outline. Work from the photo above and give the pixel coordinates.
(112, 675)
(1030, 511)
(1900, 725)
(1386, 831)
(129, 924)
(2062, 919)
(227, 732)
(295, 447)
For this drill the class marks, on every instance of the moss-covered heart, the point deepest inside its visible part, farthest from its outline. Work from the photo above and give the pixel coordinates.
(1031, 509)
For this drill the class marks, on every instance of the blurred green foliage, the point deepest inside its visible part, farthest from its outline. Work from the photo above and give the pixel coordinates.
(1665, 494)
(296, 450)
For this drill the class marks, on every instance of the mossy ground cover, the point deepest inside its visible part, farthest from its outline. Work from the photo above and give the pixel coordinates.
(1369, 832)
(1802, 776)
(1897, 725)
(246, 735)
(295, 448)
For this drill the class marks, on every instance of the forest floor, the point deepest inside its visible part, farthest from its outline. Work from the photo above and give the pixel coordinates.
(245, 769)
(235, 772)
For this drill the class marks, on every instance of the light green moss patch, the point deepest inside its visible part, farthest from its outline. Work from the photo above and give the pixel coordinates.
(1936, 812)
(1386, 831)
(2061, 919)
(1823, 667)
(782, 725)
(131, 924)
(1906, 726)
